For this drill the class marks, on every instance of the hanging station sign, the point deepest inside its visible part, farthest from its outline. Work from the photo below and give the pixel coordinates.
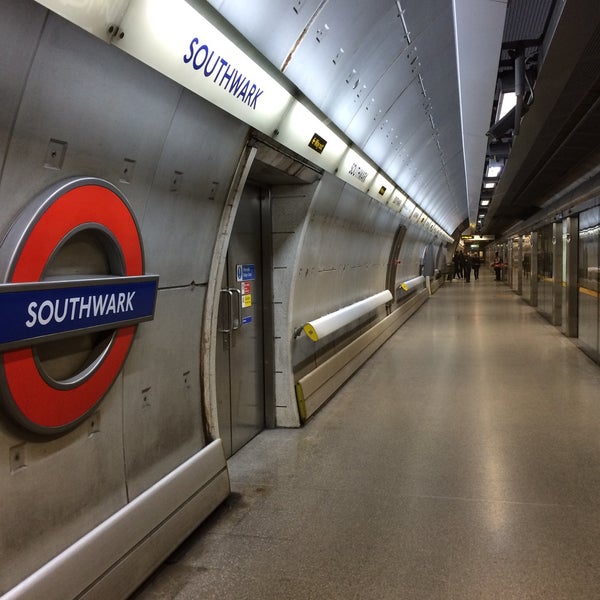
(175, 39)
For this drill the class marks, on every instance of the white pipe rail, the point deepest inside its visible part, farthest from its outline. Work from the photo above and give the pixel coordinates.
(327, 324)
(413, 283)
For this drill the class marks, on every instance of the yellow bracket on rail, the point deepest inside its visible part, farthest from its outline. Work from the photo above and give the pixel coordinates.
(311, 333)
(300, 400)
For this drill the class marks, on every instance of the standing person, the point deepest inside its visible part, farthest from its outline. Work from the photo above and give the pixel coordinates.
(498, 267)
(467, 267)
(457, 269)
(461, 263)
(476, 262)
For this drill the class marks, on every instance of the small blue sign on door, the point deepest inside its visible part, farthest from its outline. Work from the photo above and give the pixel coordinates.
(245, 273)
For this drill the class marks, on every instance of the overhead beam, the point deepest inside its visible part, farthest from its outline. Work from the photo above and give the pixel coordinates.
(478, 28)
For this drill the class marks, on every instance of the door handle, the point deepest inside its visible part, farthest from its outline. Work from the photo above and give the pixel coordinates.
(228, 326)
(236, 320)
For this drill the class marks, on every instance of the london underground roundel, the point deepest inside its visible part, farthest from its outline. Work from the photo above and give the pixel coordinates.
(72, 291)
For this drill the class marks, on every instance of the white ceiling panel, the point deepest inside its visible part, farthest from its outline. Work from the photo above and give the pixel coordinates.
(385, 73)
(269, 24)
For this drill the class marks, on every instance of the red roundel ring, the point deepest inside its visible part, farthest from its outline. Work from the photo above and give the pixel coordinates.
(38, 231)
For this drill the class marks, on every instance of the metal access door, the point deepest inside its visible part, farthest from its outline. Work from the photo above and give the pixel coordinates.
(239, 367)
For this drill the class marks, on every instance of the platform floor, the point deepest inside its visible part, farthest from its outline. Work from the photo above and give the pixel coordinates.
(461, 462)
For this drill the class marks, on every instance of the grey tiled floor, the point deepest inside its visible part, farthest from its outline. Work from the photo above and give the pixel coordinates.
(461, 462)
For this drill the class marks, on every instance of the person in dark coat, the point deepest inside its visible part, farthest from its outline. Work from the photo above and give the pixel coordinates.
(467, 267)
(457, 265)
(462, 257)
(476, 262)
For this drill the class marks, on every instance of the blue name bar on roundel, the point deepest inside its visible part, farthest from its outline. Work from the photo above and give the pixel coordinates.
(36, 312)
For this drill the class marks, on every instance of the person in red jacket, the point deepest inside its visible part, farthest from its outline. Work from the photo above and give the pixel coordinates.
(498, 267)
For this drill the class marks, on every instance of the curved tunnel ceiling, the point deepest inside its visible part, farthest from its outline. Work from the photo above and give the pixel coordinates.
(385, 73)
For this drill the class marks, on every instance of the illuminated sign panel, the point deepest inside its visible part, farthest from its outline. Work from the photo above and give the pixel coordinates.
(478, 238)
(95, 16)
(176, 40)
(407, 208)
(317, 143)
(303, 132)
(356, 171)
(381, 189)
(397, 200)
(226, 75)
